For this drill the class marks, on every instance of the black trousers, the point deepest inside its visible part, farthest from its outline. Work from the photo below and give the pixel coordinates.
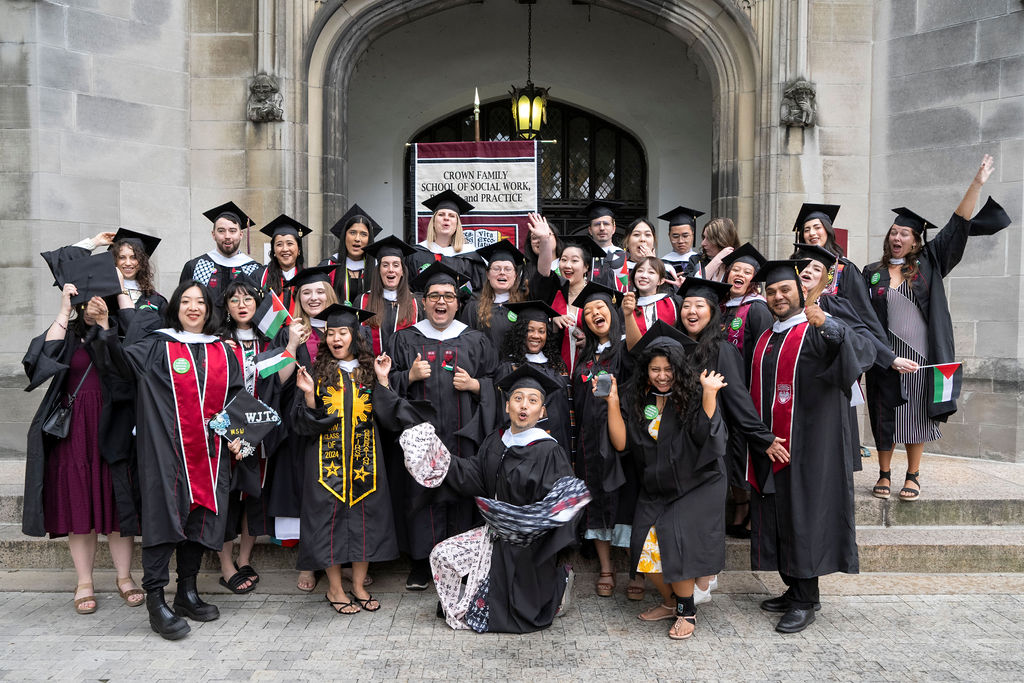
(156, 562)
(802, 593)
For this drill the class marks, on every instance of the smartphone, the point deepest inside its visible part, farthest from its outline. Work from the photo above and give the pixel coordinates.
(604, 385)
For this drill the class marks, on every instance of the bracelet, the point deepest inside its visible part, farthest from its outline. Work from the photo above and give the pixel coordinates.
(62, 325)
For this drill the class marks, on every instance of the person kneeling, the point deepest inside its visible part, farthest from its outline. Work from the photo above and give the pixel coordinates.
(530, 502)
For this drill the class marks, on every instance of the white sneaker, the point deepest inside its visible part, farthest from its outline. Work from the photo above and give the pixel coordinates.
(713, 584)
(699, 596)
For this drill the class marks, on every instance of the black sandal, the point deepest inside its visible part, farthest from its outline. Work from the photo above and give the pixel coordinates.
(235, 582)
(365, 603)
(338, 606)
(248, 571)
(883, 492)
(912, 494)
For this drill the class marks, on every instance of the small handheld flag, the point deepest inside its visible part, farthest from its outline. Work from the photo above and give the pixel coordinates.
(623, 277)
(269, 362)
(271, 315)
(946, 381)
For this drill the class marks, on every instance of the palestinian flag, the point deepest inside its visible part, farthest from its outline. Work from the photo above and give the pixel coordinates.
(623, 276)
(269, 362)
(271, 315)
(946, 382)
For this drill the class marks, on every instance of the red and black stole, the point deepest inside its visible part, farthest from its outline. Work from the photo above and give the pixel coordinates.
(194, 406)
(774, 400)
(560, 304)
(665, 310)
(376, 337)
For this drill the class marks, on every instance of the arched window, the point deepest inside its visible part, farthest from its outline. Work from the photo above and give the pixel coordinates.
(591, 158)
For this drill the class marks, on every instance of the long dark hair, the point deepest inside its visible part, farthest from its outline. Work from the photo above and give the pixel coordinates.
(228, 327)
(275, 275)
(171, 312)
(684, 384)
(705, 355)
(513, 346)
(376, 301)
(144, 274)
(354, 220)
(830, 245)
(325, 367)
(591, 341)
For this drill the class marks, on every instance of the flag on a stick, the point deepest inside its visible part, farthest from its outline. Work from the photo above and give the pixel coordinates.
(269, 362)
(946, 382)
(271, 315)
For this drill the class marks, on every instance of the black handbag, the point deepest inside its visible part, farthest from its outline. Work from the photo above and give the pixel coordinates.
(58, 423)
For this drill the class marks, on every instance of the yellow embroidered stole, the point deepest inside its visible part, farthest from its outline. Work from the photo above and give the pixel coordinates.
(348, 464)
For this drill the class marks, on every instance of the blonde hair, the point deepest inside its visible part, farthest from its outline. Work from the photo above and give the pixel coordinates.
(458, 239)
(332, 298)
(722, 232)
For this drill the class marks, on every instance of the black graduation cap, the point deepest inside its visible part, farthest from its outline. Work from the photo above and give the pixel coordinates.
(148, 242)
(712, 290)
(437, 272)
(356, 210)
(777, 271)
(502, 250)
(245, 417)
(231, 210)
(594, 290)
(663, 335)
(285, 225)
(601, 207)
(908, 219)
(92, 275)
(340, 315)
(249, 280)
(534, 309)
(819, 211)
(527, 376)
(584, 242)
(746, 253)
(990, 220)
(389, 246)
(448, 200)
(681, 216)
(814, 253)
(309, 275)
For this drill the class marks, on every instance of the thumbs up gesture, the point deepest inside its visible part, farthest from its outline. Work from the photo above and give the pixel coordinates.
(420, 369)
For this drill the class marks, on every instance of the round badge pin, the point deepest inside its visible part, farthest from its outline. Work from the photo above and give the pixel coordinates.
(180, 366)
(512, 317)
(650, 412)
(736, 323)
(875, 278)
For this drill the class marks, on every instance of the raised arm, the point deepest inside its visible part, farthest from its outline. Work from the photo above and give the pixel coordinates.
(970, 200)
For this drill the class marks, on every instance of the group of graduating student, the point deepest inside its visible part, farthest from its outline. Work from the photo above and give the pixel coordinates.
(482, 410)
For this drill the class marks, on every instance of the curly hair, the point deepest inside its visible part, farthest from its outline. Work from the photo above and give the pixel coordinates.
(513, 346)
(144, 274)
(911, 264)
(325, 367)
(685, 385)
(705, 355)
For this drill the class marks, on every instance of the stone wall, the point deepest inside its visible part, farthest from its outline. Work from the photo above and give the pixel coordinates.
(949, 88)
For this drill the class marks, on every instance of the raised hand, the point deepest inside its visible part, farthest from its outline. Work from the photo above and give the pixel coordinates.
(463, 382)
(420, 369)
(987, 166)
(65, 300)
(96, 312)
(815, 315)
(629, 304)
(712, 381)
(297, 334)
(304, 381)
(381, 368)
(103, 239)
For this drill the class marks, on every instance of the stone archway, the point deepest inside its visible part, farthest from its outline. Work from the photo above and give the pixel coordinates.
(717, 33)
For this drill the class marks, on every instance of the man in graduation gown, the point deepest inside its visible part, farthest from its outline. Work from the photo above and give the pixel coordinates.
(442, 360)
(601, 227)
(682, 228)
(802, 508)
(511, 586)
(219, 266)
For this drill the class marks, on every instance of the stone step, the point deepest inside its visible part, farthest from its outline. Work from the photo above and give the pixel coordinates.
(934, 549)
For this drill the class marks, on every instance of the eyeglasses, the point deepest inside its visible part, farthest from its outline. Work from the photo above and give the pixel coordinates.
(502, 269)
(600, 224)
(246, 300)
(434, 297)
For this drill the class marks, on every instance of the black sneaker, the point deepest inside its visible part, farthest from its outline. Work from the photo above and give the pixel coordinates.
(419, 576)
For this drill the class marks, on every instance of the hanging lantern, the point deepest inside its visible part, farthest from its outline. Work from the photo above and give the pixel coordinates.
(529, 109)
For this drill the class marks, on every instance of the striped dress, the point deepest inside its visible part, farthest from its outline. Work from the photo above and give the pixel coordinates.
(908, 337)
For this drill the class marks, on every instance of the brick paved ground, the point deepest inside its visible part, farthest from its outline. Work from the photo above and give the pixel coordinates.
(291, 637)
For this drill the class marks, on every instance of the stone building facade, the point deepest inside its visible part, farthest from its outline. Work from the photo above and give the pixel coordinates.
(139, 113)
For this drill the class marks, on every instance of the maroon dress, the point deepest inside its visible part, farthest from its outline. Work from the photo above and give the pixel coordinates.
(78, 496)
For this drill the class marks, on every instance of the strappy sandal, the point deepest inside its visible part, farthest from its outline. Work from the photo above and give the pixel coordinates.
(605, 589)
(127, 595)
(908, 494)
(339, 606)
(692, 620)
(249, 572)
(365, 604)
(879, 491)
(234, 584)
(635, 592)
(88, 598)
(671, 613)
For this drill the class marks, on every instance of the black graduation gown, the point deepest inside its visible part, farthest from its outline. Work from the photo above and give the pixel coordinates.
(682, 485)
(50, 360)
(558, 422)
(802, 519)
(499, 326)
(468, 263)
(463, 420)
(612, 478)
(334, 532)
(606, 270)
(854, 291)
(215, 276)
(167, 516)
(350, 287)
(525, 582)
(940, 255)
(380, 337)
(759, 319)
(745, 428)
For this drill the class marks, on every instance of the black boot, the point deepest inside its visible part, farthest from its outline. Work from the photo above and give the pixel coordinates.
(162, 619)
(187, 602)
